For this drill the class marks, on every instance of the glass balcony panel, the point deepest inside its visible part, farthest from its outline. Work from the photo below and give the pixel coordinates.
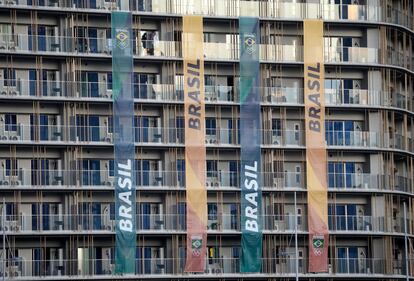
(216, 265)
(286, 95)
(284, 223)
(283, 137)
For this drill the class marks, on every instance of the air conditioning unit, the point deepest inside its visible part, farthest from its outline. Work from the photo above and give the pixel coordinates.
(14, 138)
(109, 227)
(213, 269)
(13, 271)
(108, 183)
(107, 94)
(5, 228)
(16, 182)
(14, 93)
(11, 226)
(277, 182)
(108, 137)
(212, 224)
(276, 140)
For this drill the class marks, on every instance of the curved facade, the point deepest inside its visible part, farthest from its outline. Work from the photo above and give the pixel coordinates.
(56, 138)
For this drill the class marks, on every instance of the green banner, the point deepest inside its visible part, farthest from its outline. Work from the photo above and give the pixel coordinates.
(250, 139)
(124, 149)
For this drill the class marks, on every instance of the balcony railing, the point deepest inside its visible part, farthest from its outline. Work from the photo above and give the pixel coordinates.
(102, 135)
(351, 54)
(144, 178)
(218, 222)
(223, 179)
(283, 264)
(368, 181)
(172, 49)
(281, 95)
(365, 97)
(283, 137)
(231, 8)
(20, 88)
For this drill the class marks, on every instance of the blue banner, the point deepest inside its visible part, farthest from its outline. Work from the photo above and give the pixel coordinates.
(123, 121)
(250, 140)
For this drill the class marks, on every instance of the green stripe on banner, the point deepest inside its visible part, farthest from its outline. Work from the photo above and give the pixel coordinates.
(124, 149)
(250, 139)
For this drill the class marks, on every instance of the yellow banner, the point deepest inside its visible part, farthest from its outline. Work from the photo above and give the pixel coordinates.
(314, 75)
(195, 151)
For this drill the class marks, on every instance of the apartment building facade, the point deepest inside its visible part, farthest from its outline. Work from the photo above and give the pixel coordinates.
(57, 138)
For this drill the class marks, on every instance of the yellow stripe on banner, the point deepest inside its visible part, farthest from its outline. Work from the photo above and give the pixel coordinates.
(314, 72)
(194, 112)
(195, 152)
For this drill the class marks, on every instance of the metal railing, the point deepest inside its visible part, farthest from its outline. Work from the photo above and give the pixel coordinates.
(285, 264)
(215, 179)
(368, 181)
(21, 88)
(232, 8)
(104, 220)
(222, 51)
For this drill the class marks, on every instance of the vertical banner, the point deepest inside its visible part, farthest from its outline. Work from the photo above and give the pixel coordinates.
(195, 151)
(124, 150)
(314, 72)
(250, 139)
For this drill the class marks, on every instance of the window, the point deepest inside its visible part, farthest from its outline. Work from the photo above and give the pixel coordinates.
(211, 126)
(276, 127)
(109, 81)
(341, 174)
(11, 167)
(10, 122)
(211, 168)
(111, 168)
(9, 77)
(212, 211)
(297, 174)
(296, 131)
(110, 125)
(279, 211)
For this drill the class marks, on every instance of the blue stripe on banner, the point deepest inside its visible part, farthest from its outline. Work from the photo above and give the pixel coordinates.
(250, 139)
(123, 118)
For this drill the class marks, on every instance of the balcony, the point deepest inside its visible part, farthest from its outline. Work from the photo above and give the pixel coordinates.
(220, 266)
(282, 95)
(231, 51)
(221, 94)
(368, 181)
(215, 180)
(363, 97)
(356, 223)
(59, 44)
(219, 136)
(231, 8)
(283, 137)
(86, 134)
(341, 54)
(167, 223)
(353, 138)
